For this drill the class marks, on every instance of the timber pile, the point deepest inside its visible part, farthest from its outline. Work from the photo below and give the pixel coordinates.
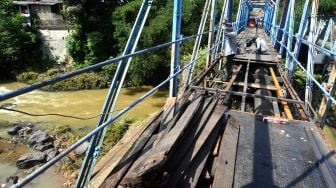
(182, 146)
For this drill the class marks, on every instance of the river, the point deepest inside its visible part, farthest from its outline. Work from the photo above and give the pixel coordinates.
(84, 104)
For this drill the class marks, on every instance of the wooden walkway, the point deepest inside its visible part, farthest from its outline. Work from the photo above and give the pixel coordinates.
(238, 131)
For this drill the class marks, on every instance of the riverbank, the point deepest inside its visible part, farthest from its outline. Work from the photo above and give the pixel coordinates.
(81, 82)
(65, 131)
(11, 150)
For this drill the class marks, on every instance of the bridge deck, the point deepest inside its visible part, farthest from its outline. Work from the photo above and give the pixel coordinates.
(249, 33)
(220, 136)
(278, 155)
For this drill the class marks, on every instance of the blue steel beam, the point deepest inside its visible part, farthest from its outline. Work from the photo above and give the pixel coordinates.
(273, 24)
(212, 27)
(286, 26)
(327, 33)
(219, 27)
(326, 51)
(300, 35)
(238, 18)
(290, 35)
(227, 7)
(279, 32)
(228, 11)
(308, 74)
(198, 39)
(112, 97)
(311, 52)
(175, 52)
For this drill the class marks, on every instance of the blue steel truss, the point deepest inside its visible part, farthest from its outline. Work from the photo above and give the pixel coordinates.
(282, 36)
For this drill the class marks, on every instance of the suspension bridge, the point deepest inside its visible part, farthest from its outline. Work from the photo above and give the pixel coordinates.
(249, 128)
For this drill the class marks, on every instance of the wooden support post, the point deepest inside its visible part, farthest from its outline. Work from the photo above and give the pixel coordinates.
(302, 110)
(281, 95)
(330, 86)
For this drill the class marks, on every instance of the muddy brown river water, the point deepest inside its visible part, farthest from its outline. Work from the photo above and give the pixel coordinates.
(84, 103)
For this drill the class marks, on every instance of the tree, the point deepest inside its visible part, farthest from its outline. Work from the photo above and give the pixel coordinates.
(91, 40)
(19, 45)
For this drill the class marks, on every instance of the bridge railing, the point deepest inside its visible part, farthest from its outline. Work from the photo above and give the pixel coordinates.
(87, 137)
(329, 52)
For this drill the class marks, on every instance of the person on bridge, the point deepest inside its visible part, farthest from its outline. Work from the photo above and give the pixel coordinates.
(261, 46)
(229, 47)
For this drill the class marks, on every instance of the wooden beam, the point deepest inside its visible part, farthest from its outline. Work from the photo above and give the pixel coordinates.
(328, 87)
(105, 166)
(132, 154)
(158, 155)
(201, 150)
(252, 85)
(225, 163)
(281, 95)
(216, 91)
(294, 95)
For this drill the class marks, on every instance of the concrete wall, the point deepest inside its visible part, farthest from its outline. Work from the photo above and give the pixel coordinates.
(54, 44)
(46, 18)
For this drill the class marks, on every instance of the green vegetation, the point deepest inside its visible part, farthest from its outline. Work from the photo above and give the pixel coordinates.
(19, 44)
(102, 33)
(84, 81)
(66, 137)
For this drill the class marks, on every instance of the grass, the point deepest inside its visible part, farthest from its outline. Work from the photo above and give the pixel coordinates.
(330, 133)
(66, 137)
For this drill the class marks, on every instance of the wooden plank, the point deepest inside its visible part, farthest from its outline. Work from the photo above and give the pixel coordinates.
(167, 116)
(233, 78)
(225, 164)
(254, 61)
(295, 96)
(276, 109)
(192, 133)
(252, 85)
(119, 171)
(170, 122)
(142, 156)
(330, 88)
(158, 155)
(281, 95)
(216, 91)
(114, 156)
(208, 137)
(196, 148)
(229, 85)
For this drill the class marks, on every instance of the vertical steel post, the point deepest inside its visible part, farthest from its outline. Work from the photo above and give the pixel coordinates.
(271, 19)
(328, 32)
(300, 35)
(175, 52)
(274, 20)
(286, 27)
(290, 36)
(228, 11)
(212, 27)
(311, 52)
(238, 18)
(220, 30)
(198, 39)
(279, 32)
(112, 97)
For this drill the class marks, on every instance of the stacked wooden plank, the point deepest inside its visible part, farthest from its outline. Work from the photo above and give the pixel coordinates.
(176, 149)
